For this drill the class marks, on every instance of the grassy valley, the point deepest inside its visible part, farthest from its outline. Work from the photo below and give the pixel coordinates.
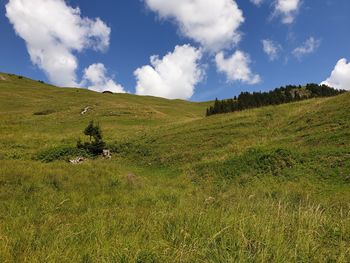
(261, 185)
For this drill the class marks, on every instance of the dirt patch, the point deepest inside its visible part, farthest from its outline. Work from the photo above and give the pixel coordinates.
(2, 78)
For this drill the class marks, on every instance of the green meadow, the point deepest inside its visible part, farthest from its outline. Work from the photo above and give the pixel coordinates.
(262, 185)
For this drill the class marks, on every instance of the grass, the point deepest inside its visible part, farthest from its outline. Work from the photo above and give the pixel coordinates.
(264, 185)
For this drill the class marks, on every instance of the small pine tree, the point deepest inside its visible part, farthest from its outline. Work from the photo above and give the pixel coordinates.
(90, 130)
(96, 144)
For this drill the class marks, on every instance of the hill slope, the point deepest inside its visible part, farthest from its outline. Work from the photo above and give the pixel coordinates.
(269, 184)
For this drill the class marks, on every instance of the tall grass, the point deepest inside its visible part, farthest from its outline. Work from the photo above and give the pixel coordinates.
(56, 212)
(267, 185)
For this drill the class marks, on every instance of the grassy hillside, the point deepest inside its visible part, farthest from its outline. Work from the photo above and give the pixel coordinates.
(264, 185)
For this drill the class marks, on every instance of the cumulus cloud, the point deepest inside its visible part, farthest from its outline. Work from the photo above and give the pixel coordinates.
(340, 76)
(271, 49)
(213, 24)
(95, 78)
(174, 76)
(237, 67)
(308, 47)
(53, 31)
(287, 9)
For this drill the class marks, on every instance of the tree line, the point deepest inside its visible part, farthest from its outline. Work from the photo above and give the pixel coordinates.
(289, 93)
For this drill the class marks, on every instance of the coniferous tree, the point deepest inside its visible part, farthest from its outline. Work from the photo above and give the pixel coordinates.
(96, 144)
(90, 130)
(286, 94)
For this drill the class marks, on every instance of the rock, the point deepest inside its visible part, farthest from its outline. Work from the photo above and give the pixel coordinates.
(107, 154)
(85, 110)
(77, 160)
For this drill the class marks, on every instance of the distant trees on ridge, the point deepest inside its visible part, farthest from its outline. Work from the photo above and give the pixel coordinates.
(289, 93)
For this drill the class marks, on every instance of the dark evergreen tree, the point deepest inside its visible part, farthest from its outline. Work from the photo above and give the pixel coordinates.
(96, 144)
(286, 94)
(90, 130)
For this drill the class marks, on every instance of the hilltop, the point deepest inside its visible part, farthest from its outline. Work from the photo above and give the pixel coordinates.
(267, 184)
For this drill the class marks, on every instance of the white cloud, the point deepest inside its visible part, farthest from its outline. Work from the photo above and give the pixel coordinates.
(53, 31)
(287, 9)
(340, 77)
(308, 47)
(96, 79)
(257, 2)
(174, 76)
(237, 67)
(214, 24)
(271, 49)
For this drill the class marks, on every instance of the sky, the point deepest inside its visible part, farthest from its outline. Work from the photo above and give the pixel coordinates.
(185, 49)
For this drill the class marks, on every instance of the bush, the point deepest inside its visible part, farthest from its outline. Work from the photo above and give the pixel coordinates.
(94, 147)
(60, 153)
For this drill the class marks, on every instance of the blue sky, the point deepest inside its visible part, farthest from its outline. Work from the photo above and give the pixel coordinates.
(305, 41)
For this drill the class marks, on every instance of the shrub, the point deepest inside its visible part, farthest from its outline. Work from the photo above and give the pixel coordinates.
(60, 153)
